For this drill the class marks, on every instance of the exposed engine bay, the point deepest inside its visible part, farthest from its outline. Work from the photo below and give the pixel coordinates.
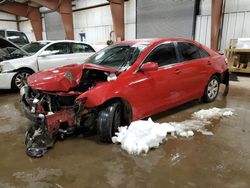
(58, 113)
(7, 50)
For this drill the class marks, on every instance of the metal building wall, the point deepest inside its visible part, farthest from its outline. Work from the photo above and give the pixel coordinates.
(236, 22)
(97, 23)
(7, 24)
(165, 18)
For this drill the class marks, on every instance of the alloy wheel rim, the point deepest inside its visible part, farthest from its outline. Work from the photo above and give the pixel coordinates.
(21, 79)
(213, 88)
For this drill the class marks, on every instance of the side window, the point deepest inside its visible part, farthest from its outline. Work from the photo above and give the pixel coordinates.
(189, 51)
(164, 55)
(81, 48)
(2, 33)
(17, 37)
(60, 48)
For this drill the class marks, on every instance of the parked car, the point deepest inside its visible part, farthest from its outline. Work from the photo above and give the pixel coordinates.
(7, 48)
(39, 56)
(17, 37)
(119, 84)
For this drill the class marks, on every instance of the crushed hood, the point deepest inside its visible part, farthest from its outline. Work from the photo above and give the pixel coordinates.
(62, 78)
(6, 43)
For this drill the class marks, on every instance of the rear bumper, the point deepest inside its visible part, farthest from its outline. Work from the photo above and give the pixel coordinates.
(225, 80)
(225, 77)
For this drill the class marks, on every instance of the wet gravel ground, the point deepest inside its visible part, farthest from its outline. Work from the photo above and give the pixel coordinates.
(222, 160)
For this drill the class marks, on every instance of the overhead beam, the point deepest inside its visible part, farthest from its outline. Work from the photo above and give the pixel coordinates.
(64, 7)
(117, 11)
(31, 13)
(216, 22)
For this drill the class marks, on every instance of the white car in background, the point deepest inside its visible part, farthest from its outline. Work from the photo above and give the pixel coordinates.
(41, 55)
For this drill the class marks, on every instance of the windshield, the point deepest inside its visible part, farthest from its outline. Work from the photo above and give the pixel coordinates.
(30, 49)
(34, 47)
(117, 56)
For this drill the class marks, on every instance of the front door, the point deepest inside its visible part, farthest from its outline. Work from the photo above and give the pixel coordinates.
(62, 56)
(155, 91)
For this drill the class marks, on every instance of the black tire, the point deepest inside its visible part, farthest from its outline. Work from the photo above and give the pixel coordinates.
(212, 89)
(20, 79)
(108, 121)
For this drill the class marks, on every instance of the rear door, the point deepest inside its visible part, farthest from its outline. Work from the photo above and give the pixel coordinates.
(62, 56)
(193, 69)
(81, 52)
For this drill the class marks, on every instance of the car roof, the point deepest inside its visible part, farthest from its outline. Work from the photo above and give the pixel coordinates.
(11, 30)
(154, 40)
(56, 41)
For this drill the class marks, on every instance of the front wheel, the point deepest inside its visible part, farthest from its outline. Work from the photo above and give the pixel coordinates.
(108, 121)
(20, 79)
(212, 89)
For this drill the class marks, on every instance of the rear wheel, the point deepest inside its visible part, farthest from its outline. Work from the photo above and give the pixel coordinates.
(20, 79)
(108, 121)
(212, 89)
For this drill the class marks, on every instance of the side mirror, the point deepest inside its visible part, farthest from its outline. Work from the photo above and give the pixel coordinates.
(149, 66)
(48, 53)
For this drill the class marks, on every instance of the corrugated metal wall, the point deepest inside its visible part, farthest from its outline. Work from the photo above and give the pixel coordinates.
(235, 23)
(7, 24)
(97, 23)
(203, 27)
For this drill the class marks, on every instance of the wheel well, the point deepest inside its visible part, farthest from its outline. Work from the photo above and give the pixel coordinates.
(218, 76)
(126, 109)
(25, 68)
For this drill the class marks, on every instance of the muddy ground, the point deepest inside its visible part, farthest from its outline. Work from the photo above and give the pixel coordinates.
(222, 160)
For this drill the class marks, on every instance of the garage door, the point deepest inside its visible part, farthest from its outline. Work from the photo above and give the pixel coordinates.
(53, 26)
(165, 18)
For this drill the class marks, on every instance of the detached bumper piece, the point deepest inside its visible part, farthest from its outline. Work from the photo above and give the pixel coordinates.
(42, 136)
(37, 139)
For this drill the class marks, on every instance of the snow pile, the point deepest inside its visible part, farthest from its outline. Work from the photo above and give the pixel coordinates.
(142, 135)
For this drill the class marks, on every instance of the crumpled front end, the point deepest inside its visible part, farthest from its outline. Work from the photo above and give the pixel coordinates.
(54, 115)
(58, 113)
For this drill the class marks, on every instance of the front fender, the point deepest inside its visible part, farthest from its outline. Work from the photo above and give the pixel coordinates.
(99, 94)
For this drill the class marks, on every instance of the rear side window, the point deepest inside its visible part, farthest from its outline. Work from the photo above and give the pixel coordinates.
(189, 51)
(2, 33)
(81, 48)
(60, 48)
(17, 37)
(164, 55)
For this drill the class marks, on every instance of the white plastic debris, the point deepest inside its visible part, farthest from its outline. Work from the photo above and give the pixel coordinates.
(142, 135)
(111, 77)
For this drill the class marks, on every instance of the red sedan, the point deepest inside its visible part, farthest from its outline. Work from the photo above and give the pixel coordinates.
(119, 84)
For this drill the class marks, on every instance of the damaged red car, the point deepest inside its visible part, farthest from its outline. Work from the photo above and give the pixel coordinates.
(119, 84)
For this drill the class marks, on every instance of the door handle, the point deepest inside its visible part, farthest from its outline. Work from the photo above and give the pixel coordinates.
(177, 71)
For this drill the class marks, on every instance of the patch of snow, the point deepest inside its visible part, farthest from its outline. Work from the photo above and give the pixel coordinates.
(213, 113)
(142, 135)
